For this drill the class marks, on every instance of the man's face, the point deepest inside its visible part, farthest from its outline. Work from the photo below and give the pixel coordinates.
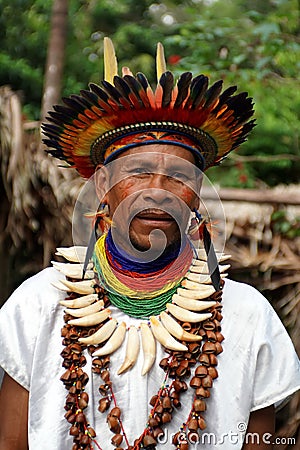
(151, 191)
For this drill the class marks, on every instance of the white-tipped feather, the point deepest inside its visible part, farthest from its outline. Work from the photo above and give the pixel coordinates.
(87, 310)
(190, 304)
(161, 66)
(110, 61)
(203, 291)
(73, 254)
(164, 337)
(80, 302)
(92, 319)
(100, 335)
(114, 342)
(132, 350)
(176, 330)
(149, 348)
(186, 316)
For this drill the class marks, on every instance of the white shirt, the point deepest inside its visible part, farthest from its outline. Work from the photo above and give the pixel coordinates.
(258, 367)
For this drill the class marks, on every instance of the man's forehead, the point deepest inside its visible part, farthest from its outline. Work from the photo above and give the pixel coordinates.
(170, 151)
(154, 159)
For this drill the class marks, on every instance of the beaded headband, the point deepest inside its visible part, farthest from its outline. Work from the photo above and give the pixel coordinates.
(124, 112)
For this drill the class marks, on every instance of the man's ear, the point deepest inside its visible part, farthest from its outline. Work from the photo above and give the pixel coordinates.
(197, 203)
(197, 199)
(101, 183)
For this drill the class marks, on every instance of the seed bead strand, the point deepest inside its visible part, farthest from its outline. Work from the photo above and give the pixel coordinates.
(75, 380)
(204, 374)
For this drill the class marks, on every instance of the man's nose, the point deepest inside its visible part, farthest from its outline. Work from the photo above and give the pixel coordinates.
(157, 190)
(158, 181)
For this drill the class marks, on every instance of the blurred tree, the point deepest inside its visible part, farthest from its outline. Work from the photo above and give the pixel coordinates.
(55, 56)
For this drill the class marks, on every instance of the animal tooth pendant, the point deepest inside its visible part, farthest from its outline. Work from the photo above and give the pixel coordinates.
(203, 291)
(198, 278)
(201, 253)
(186, 316)
(100, 335)
(80, 287)
(196, 285)
(149, 348)
(199, 266)
(203, 269)
(114, 342)
(73, 270)
(82, 312)
(73, 254)
(190, 304)
(164, 337)
(176, 330)
(132, 350)
(92, 319)
(80, 302)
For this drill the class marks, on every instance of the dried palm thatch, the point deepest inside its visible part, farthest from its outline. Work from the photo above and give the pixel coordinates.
(263, 238)
(37, 200)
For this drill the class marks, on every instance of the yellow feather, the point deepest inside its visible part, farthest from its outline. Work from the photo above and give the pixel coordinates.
(161, 66)
(110, 61)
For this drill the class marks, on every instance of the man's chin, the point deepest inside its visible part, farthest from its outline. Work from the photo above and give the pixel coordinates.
(156, 245)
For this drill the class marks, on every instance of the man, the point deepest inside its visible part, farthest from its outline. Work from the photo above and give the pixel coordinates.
(145, 361)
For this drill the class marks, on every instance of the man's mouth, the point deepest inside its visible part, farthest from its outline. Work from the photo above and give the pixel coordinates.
(154, 216)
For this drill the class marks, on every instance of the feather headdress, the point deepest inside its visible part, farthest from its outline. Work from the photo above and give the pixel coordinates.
(124, 111)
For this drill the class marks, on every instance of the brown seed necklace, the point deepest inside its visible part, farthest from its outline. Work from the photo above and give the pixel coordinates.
(201, 348)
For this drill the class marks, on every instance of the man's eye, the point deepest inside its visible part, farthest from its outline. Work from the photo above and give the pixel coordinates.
(139, 171)
(180, 176)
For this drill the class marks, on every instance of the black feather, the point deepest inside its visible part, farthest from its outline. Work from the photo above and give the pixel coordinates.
(59, 118)
(99, 92)
(225, 96)
(167, 82)
(197, 91)
(213, 93)
(212, 261)
(135, 87)
(112, 91)
(50, 128)
(183, 88)
(90, 96)
(142, 80)
(65, 110)
(80, 100)
(122, 86)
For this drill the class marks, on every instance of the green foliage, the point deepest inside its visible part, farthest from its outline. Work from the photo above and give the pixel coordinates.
(286, 227)
(24, 29)
(251, 43)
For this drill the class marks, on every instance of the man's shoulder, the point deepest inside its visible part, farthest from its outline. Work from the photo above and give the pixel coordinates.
(38, 289)
(42, 280)
(243, 296)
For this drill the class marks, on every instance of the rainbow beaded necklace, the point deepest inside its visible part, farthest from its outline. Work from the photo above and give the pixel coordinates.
(129, 283)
